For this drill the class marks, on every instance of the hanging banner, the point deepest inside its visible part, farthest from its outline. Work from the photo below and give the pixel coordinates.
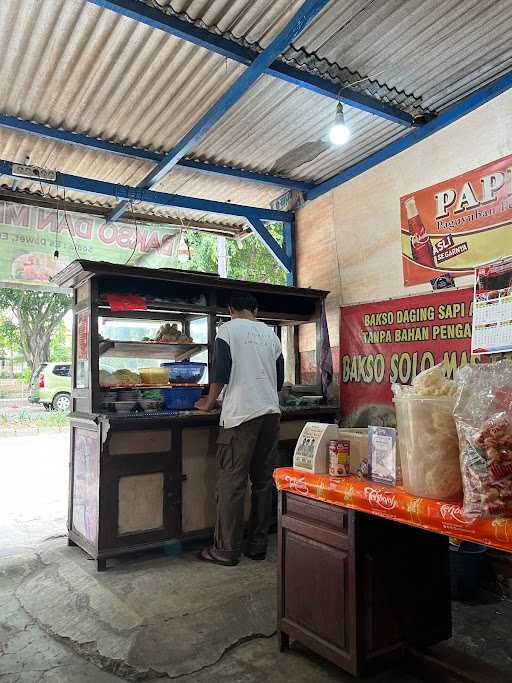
(457, 224)
(393, 341)
(29, 236)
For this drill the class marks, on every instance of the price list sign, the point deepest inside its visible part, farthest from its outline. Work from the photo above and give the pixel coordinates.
(492, 308)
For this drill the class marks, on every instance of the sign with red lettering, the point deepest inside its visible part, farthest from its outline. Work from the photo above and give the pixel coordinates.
(457, 224)
(393, 341)
(30, 235)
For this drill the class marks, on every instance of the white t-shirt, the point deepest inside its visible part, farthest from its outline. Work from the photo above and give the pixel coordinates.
(252, 388)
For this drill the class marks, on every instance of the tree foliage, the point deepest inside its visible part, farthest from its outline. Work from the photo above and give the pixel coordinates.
(9, 335)
(9, 340)
(36, 315)
(248, 260)
(60, 349)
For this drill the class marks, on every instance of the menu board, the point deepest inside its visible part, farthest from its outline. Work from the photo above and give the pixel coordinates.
(492, 308)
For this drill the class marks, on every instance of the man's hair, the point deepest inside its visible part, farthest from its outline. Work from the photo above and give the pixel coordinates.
(243, 302)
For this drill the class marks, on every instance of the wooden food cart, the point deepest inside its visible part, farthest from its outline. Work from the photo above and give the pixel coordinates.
(140, 479)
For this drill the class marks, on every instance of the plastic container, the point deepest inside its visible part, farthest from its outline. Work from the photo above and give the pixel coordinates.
(181, 398)
(125, 407)
(465, 569)
(153, 376)
(186, 372)
(429, 447)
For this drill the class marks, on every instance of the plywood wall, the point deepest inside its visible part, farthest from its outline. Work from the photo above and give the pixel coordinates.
(348, 241)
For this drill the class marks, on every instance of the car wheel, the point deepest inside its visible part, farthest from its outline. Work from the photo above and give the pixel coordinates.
(62, 402)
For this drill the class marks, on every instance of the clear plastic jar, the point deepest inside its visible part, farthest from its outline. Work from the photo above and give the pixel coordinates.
(429, 447)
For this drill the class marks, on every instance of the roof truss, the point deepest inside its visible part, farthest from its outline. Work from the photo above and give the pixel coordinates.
(257, 67)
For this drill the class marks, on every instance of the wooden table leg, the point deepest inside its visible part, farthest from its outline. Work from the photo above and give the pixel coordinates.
(284, 641)
(101, 565)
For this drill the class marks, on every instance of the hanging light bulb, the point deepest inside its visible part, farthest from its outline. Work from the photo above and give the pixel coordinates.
(339, 134)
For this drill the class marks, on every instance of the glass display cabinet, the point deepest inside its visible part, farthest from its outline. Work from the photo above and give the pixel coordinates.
(142, 460)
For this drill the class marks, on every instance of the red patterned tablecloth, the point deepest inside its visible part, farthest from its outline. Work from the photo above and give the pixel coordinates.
(394, 503)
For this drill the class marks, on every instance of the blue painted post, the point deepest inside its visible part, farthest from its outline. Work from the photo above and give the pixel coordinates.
(264, 59)
(289, 247)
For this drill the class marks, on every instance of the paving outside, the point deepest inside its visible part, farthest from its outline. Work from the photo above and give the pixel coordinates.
(152, 617)
(19, 417)
(12, 406)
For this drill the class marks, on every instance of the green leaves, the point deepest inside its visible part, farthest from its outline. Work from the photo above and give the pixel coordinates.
(34, 315)
(248, 260)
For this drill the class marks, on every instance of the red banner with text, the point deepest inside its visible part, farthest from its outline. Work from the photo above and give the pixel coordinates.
(457, 224)
(393, 341)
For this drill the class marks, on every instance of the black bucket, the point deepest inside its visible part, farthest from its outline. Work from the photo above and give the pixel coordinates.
(465, 569)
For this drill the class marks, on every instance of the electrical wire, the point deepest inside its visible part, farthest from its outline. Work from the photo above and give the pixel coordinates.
(47, 195)
(56, 252)
(136, 233)
(67, 224)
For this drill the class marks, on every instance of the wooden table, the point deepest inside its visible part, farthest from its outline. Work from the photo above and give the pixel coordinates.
(364, 569)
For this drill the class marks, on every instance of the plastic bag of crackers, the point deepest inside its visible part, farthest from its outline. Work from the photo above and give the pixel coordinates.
(483, 415)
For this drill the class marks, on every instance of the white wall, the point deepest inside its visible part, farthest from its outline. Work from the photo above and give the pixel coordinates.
(358, 224)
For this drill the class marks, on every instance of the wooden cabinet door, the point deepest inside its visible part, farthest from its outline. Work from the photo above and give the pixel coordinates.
(317, 601)
(140, 490)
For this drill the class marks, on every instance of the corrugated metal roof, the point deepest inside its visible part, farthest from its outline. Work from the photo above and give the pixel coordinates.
(76, 66)
(440, 51)
(254, 21)
(73, 65)
(275, 117)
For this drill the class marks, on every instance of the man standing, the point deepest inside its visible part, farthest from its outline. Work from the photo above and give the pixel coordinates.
(248, 363)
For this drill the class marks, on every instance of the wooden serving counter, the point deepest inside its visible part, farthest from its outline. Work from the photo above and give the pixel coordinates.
(140, 481)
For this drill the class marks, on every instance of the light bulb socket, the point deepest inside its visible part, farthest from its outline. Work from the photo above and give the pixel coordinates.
(339, 133)
(339, 116)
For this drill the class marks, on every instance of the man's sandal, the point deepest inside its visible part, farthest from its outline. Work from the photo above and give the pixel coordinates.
(209, 555)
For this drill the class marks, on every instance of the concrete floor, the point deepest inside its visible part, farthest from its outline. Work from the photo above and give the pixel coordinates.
(33, 490)
(153, 616)
(148, 618)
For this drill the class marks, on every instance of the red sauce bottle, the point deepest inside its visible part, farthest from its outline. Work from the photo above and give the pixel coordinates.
(421, 246)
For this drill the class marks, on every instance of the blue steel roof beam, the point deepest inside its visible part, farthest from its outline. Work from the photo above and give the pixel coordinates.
(261, 232)
(229, 48)
(353, 98)
(107, 189)
(443, 119)
(242, 174)
(14, 123)
(251, 74)
(88, 142)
